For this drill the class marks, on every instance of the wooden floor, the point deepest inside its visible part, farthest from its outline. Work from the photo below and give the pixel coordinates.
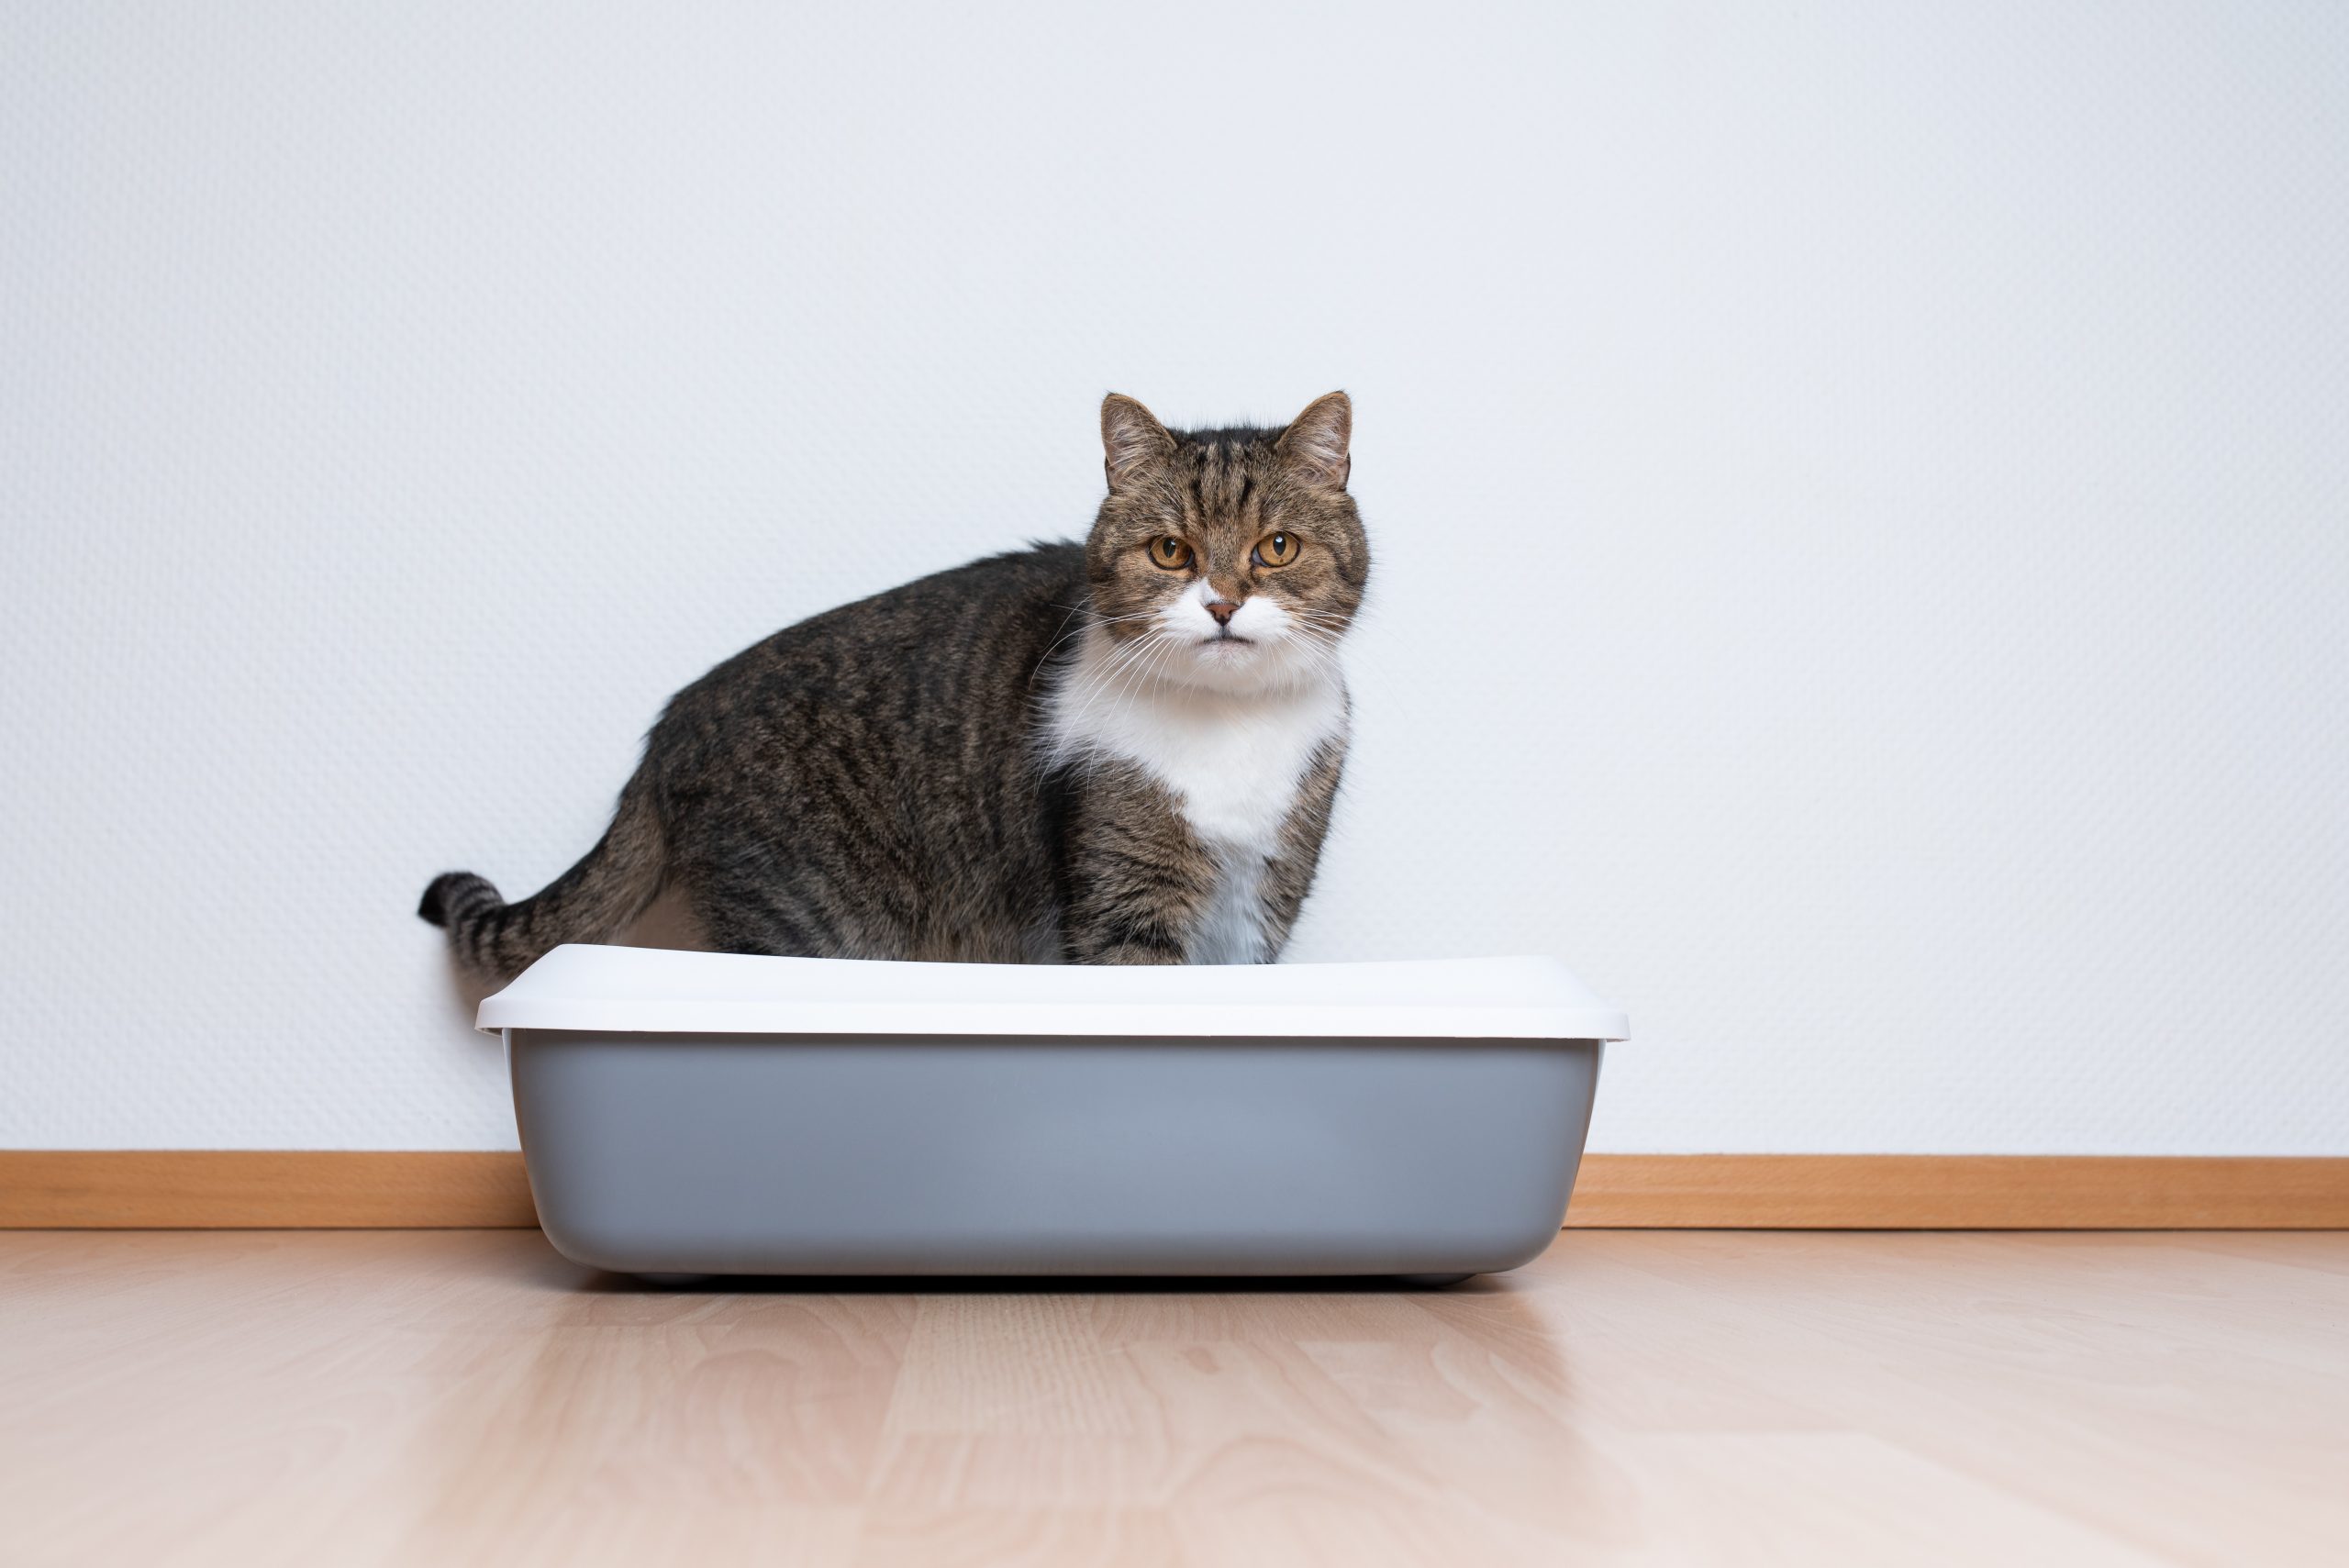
(1652, 1397)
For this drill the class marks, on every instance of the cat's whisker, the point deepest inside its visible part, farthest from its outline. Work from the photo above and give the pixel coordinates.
(1169, 647)
(1061, 633)
(1120, 668)
(1111, 677)
(1126, 693)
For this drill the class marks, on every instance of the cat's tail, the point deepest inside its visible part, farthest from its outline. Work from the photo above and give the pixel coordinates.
(609, 887)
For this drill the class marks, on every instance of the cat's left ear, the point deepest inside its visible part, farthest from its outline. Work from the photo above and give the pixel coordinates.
(1314, 445)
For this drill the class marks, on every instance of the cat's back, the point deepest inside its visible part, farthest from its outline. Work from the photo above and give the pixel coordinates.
(955, 652)
(865, 783)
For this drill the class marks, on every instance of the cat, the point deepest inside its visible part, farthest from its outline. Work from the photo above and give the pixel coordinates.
(1118, 751)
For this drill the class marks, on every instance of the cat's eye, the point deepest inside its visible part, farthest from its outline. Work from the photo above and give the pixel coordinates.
(1170, 552)
(1277, 549)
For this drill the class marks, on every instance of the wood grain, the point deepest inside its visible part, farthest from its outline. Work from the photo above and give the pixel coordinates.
(466, 1396)
(200, 1189)
(1959, 1192)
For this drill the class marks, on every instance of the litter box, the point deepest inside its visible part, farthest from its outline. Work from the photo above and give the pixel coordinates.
(690, 1113)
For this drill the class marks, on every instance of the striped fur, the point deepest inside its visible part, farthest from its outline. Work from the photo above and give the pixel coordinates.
(904, 777)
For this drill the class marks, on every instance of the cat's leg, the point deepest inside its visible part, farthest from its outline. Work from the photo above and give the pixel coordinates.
(1138, 878)
(1288, 875)
(742, 910)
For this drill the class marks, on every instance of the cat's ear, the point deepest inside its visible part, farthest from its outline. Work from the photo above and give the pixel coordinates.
(1314, 445)
(1133, 441)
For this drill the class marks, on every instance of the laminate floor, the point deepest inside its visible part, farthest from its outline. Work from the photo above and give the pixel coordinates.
(449, 1397)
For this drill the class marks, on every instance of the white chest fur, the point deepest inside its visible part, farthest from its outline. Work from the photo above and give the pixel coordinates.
(1231, 760)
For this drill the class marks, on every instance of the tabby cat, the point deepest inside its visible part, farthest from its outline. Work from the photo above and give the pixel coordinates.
(1119, 752)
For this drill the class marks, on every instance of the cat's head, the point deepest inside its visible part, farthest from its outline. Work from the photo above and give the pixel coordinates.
(1233, 559)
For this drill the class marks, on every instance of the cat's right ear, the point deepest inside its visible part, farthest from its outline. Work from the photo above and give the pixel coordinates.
(1133, 441)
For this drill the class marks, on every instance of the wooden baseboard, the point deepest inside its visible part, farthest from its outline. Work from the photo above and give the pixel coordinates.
(260, 1189)
(1959, 1192)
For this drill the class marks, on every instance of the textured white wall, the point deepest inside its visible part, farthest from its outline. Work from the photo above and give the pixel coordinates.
(1862, 497)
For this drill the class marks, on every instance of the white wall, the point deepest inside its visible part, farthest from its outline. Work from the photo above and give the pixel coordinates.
(1861, 498)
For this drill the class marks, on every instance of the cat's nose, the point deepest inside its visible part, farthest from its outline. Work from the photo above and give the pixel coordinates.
(1222, 609)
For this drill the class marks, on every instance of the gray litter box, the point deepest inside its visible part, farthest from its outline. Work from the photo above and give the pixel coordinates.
(693, 1113)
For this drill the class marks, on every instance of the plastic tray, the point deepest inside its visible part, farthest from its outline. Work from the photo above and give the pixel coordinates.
(690, 1113)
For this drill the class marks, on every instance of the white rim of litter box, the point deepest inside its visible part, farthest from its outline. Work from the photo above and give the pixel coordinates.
(591, 988)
